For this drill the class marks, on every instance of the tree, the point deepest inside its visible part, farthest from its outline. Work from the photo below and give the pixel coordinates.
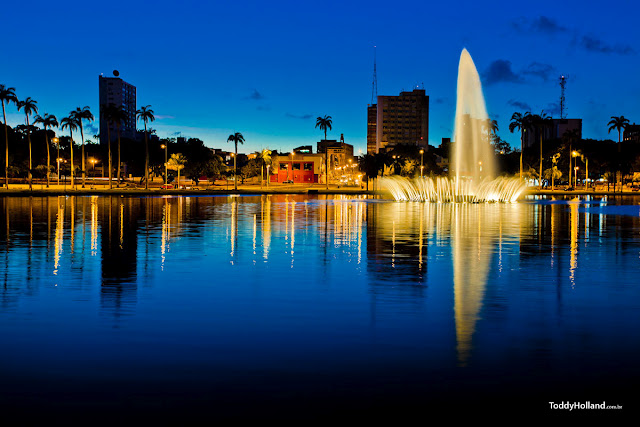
(47, 121)
(619, 124)
(325, 123)
(236, 138)
(491, 127)
(177, 162)
(251, 169)
(7, 96)
(82, 114)
(146, 115)
(70, 122)
(552, 173)
(368, 166)
(500, 146)
(521, 123)
(264, 157)
(408, 167)
(29, 107)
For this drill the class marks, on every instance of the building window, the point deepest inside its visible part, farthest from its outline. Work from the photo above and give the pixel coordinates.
(296, 166)
(284, 166)
(308, 166)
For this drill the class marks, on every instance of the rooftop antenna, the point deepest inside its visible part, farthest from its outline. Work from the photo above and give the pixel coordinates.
(374, 85)
(563, 84)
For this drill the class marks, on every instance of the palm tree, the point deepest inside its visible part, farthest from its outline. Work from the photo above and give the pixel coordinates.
(522, 123)
(177, 162)
(7, 95)
(48, 121)
(29, 106)
(324, 123)
(265, 159)
(70, 122)
(82, 114)
(235, 138)
(146, 115)
(492, 129)
(618, 123)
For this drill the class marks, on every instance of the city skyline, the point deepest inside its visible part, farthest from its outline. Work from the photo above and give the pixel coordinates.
(269, 71)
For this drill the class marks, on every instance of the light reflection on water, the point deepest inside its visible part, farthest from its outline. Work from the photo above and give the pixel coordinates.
(318, 286)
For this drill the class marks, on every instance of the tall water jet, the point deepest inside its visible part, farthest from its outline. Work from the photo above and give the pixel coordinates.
(472, 172)
(472, 152)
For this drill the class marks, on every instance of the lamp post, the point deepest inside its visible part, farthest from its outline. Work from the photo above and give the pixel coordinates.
(574, 154)
(421, 162)
(57, 142)
(585, 160)
(268, 176)
(235, 182)
(166, 176)
(575, 178)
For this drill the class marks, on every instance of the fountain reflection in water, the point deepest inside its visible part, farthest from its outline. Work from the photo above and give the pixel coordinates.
(472, 172)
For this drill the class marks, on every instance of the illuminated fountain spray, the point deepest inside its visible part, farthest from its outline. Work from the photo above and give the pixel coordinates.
(472, 170)
(472, 156)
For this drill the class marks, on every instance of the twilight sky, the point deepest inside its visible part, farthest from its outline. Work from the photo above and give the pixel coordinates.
(268, 69)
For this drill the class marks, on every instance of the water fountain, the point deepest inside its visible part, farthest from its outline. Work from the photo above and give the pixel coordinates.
(472, 172)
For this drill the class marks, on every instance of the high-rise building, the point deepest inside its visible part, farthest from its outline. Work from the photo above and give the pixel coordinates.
(114, 90)
(402, 119)
(631, 133)
(556, 130)
(372, 117)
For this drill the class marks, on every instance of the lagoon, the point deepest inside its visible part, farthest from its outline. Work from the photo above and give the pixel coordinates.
(301, 306)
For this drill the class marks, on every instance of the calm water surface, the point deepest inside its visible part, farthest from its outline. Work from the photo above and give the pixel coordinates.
(292, 305)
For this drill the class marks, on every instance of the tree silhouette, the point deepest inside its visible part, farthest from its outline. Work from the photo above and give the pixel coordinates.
(522, 123)
(29, 107)
(7, 96)
(70, 122)
(82, 114)
(146, 115)
(236, 138)
(47, 121)
(324, 123)
(619, 124)
(177, 162)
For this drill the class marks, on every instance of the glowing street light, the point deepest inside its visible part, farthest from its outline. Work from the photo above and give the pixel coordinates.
(57, 142)
(166, 176)
(421, 162)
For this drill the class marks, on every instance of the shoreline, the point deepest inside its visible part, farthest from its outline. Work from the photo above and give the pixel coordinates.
(25, 192)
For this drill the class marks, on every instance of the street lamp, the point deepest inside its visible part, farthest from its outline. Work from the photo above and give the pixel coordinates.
(57, 142)
(166, 176)
(421, 162)
(574, 154)
(585, 160)
(575, 178)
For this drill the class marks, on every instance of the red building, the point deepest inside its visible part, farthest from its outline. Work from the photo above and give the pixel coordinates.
(298, 168)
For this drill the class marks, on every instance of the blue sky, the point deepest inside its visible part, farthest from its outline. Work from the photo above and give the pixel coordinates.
(268, 69)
